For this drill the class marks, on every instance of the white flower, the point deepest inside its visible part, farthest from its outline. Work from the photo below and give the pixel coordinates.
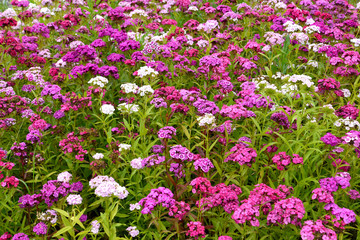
(309, 21)
(193, 8)
(202, 43)
(133, 231)
(74, 199)
(95, 227)
(358, 6)
(292, 27)
(107, 109)
(280, 5)
(346, 92)
(136, 163)
(355, 41)
(146, 89)
(129, 88)
(207, 119)
(98, 156)
(61, 63)
(312, 28)
(312, 63)
(64, 177)
(135, 206)
(147, 71)
(124, 146)
(8, 13)
(128, 108)
(306, 80)
(98, 80)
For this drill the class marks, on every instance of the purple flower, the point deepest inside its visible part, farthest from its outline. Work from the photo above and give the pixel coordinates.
(204, 164)
(40, 228)
(330, 139)
(166, 132)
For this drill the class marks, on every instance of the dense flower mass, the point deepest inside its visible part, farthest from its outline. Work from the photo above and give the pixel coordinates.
(179, 119)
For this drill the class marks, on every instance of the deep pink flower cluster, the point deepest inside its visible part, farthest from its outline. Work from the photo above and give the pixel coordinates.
(330, 84)
(348, 111)
(179, 210)
(241, 154)
(222, 195)
(322, 195)
(287, 211)
(196, 230)
(72, 144)
(282, 160)
(316, 230)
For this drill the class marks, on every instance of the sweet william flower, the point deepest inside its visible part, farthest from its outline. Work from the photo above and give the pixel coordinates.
(107, 109)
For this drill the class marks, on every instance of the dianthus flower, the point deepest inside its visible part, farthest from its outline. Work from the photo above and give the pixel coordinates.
(179, 210)
(287, 211)
(167, 132)
(316, 230)
(241, 154)
(344, 214)
(152, 160)
(40, 228)
(204, 164)
(322, 195)
(201, 185)
(330, 139)
(182, 153)
(196, 230)
(159, 196)
(247, 212)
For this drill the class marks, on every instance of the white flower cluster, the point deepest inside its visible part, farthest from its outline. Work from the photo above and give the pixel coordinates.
(136, 163)
(147, 71)
(106, 187)
(123, 146)
(128, 108)
(347, 123)
(355, 41)
(288, 88)
(133, 231)
(145, 90)
(207, 120)
(311, 29)
(193, 8)
(315, 46)
(300, 37)
(8, 13)
(346, 92)
(304, 79)
(95, 226)
(312, 63)
(280, 5)
(107, 109)
(98, 80)
(135, 206)
(129, 87)
(98, 156)
(309, 21)
(358, 6)
(48, 215)
(74, 199)
(133, 88)
(64, 177)
(138, 12)
(292, 27)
